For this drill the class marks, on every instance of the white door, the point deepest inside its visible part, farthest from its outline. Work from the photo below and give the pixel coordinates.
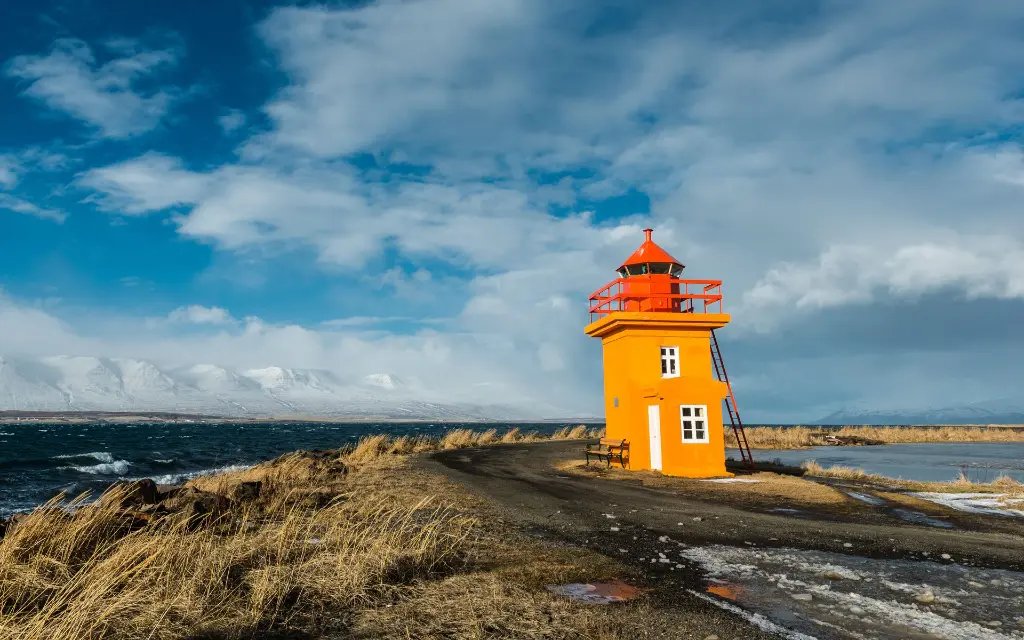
(654, 426)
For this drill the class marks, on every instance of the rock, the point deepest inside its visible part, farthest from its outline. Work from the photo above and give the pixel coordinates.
(997, 583)
(848, 545)
(613, 528)
(833, 575)
(4, 525)
(925, 598)
(975, 585)
(857, 611)
(803, 597)
(168, 491)
(247, 491)
(946, 556)
(698, 519)
(711, 638)
(207, 507)
(138, 493)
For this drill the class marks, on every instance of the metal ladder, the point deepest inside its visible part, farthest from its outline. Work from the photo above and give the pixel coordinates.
(730, 403)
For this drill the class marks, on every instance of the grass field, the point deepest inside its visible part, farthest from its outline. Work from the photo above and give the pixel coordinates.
(801, 437)
(352, 543)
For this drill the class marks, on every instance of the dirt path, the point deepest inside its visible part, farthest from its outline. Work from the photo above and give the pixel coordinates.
(634, 523)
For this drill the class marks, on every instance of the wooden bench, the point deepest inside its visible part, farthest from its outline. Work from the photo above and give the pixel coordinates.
(609, 449)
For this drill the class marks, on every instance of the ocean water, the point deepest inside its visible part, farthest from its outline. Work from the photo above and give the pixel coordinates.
(925, 461)
(38, 461)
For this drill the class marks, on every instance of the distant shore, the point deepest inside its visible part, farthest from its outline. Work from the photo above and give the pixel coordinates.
(799, 437)
(86, 417)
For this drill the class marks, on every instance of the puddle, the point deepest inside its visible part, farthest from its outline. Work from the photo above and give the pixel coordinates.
(812, 594)
(784, 510)
(916, 517)
(597, 592)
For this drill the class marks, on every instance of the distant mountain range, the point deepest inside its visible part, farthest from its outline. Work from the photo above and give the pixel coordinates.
(999, 411)
(77, 383)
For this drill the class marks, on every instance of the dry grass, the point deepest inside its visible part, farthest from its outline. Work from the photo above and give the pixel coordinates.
(800, 437)
(372, 447)
(348, 543)
(962, 484)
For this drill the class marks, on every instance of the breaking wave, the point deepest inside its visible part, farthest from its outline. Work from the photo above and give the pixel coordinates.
(113, 468)
(178, 478)
(99, 456)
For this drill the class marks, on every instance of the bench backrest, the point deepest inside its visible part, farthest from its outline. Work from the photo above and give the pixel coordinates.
(612, 443)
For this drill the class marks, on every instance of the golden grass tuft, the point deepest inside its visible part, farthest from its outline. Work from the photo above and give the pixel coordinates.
(962, 484)
(801, 437)
(329, 546)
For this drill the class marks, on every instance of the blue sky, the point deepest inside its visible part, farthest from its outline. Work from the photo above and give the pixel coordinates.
(432, 188)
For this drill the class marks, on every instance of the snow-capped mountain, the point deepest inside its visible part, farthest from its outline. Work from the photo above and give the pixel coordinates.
(78, 383)
(999, 411)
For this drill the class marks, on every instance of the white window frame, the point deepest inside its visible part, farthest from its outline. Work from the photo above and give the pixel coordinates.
(669, 362)
(689, 416)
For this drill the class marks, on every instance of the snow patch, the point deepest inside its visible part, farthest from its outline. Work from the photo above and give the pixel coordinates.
(977, 503)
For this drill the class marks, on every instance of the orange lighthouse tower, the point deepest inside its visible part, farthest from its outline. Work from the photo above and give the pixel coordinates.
(664, 378)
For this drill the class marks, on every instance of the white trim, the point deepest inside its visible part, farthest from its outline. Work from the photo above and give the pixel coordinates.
(669, 362)
(654, 433)
(693, 423)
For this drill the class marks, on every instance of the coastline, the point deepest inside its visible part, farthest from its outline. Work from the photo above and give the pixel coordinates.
(438, 538)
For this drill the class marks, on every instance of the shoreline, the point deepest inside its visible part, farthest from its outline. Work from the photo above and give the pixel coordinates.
(484, 521)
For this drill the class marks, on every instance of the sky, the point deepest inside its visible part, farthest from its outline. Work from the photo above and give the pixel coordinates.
(432, 188)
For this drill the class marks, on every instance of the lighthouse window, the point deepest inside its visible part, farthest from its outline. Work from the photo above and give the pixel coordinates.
(693, 420)
(670, 362)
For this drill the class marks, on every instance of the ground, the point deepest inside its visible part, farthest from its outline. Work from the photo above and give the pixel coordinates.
(630, 515)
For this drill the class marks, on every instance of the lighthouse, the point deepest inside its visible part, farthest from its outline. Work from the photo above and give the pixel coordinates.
(664, 378)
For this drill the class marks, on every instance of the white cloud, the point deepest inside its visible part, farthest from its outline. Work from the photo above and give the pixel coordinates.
(197, 314)
(9, 166)
(231, 120)
(847, 157)
(968, 267)
(106, 96)
(17, 205)
(151, 182)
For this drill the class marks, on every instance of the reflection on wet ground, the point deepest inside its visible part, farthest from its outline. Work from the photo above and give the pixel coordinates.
(829, 595)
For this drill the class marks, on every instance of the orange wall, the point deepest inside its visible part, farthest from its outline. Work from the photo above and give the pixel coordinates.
(632, 344)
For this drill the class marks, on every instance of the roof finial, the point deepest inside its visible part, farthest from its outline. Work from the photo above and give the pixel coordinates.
(647, 234)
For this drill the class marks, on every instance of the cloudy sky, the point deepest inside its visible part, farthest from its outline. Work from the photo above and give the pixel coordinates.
(432, 188)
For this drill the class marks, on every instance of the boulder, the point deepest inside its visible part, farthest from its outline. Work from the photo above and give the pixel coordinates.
(205, 508)
(138, 493)
(247, 491)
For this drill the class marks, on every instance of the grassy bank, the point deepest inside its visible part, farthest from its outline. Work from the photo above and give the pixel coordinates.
(1003, 485)
(803, 437)
(348, 543)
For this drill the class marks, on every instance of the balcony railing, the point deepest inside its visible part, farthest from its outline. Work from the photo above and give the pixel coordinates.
(671, 296)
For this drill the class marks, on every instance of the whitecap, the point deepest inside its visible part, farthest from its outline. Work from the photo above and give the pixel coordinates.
(99, 456)
(178, 478)
(117, 467)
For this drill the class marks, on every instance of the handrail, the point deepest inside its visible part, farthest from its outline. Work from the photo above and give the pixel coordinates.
(615, 296)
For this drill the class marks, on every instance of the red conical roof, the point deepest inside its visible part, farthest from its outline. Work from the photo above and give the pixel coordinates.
(649, 252)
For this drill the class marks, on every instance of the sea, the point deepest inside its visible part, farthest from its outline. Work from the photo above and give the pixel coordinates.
(40, 461)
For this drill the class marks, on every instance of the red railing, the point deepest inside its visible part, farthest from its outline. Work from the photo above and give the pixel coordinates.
(668, 295)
